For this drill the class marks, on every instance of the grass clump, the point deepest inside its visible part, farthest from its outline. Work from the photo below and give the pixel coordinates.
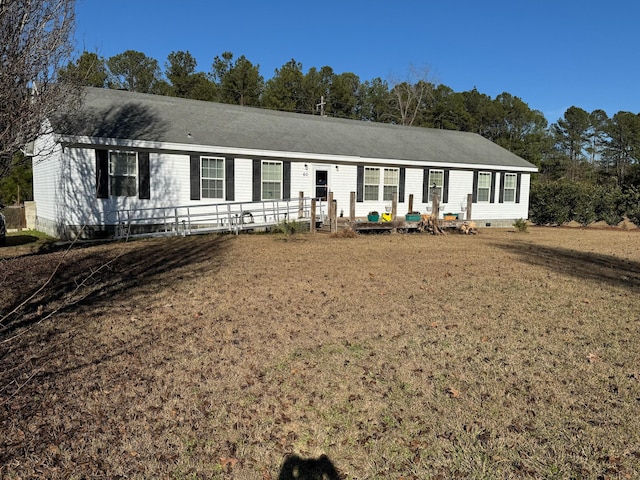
(346, 232)
(521, 225)
(290, 227)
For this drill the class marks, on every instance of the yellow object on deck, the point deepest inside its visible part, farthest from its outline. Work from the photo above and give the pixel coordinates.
(386, 217)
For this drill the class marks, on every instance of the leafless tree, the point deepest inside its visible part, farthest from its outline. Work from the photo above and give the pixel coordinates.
(410, 95)
(35, 41)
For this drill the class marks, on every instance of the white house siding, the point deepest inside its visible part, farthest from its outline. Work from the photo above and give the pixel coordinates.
(460, 186)
(169, 179)
(413, 184)
(65, 190)
(502, 214)
(46, 180)
(243, 179)
(301, 179)
(342, 181)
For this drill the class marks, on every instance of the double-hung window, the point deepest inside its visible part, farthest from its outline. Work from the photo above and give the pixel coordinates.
(509, 192)
(212, 177)
(484, 186)
(271, 180)
(391, 182)
(123, 167)
(371, 183)
(436, 183)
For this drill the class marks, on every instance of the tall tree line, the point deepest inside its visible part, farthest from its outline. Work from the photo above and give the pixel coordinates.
(585, 158)
(579, 147)
(416, 101)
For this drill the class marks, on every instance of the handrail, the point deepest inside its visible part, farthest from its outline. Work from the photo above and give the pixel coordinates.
(216, 217)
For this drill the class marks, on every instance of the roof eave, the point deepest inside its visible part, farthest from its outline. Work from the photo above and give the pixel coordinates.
(84, 141)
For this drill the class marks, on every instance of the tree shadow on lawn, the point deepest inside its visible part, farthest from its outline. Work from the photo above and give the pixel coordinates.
(92, 275)
(16, 240)
(586, 265)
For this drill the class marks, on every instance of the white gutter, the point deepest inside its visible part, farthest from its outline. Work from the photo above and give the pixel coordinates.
(85, 141)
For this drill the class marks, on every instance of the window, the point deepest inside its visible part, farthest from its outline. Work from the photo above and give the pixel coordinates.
(271, 180)
(436, 183)
(122, 174)
(509, 194)
(391, 181)
(484, 186)
(212, 177)
(371, 183)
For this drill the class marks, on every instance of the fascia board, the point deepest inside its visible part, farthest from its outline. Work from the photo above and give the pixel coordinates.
(83, 141)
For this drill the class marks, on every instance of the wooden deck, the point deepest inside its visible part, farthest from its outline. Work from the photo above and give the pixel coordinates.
(422, 226)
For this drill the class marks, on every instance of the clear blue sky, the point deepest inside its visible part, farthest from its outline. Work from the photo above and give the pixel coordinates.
(553, 54)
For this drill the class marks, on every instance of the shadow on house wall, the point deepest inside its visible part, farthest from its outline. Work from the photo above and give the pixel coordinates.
(78, 205)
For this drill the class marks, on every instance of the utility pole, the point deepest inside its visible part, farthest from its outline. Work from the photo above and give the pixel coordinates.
(320, 106)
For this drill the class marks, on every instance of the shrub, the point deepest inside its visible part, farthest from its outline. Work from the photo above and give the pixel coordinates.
(562, 201)
(521, 225)
(550, 203)
(344, 233)
(634, 216)
(290, 227)
(631, 204)
(609, 204)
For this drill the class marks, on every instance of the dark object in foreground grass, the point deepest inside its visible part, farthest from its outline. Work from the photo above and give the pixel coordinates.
(296, 468)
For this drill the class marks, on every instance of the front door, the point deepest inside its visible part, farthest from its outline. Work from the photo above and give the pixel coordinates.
(322, 184)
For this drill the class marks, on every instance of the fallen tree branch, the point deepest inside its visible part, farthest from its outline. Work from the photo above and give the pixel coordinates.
(47, 282)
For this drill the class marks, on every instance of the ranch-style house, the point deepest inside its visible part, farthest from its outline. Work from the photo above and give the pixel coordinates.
(132, 152)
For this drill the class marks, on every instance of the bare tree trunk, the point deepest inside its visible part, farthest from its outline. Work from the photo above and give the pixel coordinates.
(35, 41)
(410, 94)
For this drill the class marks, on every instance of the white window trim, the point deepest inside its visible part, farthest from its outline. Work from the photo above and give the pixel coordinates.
(202, 177)
(515, 187)
(377, 185)
(262, 181)
(431, 183)
(385, 184)
(488, 200)
(112, 175)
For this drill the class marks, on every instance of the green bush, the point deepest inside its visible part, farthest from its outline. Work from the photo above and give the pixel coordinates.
(521, 225)
(550, 203)
(609, 204)
(631, 203)
(563, 201)
(290, 227)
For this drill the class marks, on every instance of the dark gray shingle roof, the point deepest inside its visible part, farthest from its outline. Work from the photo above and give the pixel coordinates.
(136, 116)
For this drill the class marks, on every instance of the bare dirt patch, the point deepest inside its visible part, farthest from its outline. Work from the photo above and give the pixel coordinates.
(491, 356)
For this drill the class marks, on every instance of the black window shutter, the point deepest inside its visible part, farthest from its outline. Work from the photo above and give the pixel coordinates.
(229, 180)
(493, 188)
(286, 180)
(195, 177)
(425, 186)
(501, 191)
(403, 176)
(360, 183)
(445, 187)
(518, 181)
(474, 193)
(257, 180)
(144, 180)
(102, 173)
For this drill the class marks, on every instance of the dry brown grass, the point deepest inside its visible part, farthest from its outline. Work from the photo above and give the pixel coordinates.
(500, 355)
